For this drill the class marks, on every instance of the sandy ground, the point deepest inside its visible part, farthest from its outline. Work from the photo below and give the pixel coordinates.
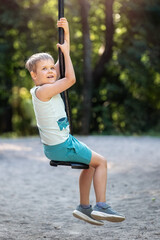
(36, 200)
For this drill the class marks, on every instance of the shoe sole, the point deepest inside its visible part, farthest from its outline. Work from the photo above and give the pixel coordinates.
(104, 216)
(85, 218)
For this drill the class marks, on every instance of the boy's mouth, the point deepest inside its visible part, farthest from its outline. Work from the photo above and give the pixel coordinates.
(50, 76)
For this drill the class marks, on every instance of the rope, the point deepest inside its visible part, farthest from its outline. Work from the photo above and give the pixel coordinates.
(62, 64)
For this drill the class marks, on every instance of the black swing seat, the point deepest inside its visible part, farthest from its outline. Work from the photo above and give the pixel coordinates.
(71, 164)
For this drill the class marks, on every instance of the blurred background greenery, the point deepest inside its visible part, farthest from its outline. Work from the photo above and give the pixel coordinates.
(115, 49)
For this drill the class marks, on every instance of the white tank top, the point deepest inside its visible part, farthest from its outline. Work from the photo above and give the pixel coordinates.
(51, 119)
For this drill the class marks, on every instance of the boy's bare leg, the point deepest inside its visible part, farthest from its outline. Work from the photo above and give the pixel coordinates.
(97, 172)
(100, 176)
(101, 211)
(85, 181)
(84, 210)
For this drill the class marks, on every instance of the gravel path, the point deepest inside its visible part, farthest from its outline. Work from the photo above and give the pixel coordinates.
(36, 200)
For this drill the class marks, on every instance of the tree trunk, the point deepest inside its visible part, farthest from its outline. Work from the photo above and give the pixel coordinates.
(6, 119)
(5, 105)
(94, 77)
(99, 69)
(87, 69)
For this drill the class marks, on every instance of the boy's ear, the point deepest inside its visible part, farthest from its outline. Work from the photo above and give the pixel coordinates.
(33, 75)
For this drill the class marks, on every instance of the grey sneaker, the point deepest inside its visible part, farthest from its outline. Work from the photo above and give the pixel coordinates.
(106, 213)
(85, 214)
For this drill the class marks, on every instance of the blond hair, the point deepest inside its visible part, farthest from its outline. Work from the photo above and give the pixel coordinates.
(31, 62)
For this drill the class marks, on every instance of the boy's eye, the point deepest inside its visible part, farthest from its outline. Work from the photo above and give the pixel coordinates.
(52, 68)
(44, 68)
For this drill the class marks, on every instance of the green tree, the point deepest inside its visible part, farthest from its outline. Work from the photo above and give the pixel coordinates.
(116, 55)
(9, 22)
(22, 34)
(139, 59)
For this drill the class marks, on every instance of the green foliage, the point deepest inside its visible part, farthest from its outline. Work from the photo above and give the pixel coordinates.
(127, 100)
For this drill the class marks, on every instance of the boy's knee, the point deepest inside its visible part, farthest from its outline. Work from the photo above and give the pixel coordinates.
(98, 160)
(104, 162)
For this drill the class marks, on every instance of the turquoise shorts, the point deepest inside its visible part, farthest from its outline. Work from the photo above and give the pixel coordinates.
(71, 150)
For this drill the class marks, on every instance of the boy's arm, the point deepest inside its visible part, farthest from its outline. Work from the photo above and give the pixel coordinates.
(63, 23)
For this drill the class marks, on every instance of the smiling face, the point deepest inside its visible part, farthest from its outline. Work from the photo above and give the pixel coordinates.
(45, 72)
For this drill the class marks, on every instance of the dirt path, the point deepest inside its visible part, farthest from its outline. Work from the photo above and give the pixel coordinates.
(36, 200)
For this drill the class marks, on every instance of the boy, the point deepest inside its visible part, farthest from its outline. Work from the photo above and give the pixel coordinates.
(54, 131)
